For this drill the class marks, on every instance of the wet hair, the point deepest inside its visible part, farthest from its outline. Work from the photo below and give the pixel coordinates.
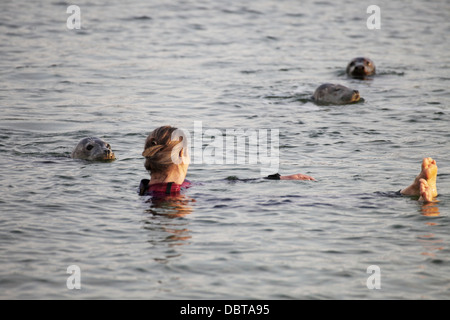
(159, 148)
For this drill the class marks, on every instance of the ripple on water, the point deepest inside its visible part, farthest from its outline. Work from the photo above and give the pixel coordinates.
(229, 65)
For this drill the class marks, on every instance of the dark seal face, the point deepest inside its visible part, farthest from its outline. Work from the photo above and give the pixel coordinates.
(93, 149)
(329, 93)
(360, 68)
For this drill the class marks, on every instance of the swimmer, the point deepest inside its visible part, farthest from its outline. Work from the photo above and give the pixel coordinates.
(93, 149)
(329, 93)
(167, 162)
(360, 68)
(424, 185)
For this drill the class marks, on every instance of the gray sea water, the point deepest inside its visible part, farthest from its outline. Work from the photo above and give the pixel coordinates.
(136, 65)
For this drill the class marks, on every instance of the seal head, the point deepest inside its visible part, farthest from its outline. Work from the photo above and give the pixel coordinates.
(329, 93)
(360, 67)
(93, 149)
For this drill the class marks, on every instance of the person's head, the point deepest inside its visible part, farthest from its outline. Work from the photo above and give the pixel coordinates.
(165, 152)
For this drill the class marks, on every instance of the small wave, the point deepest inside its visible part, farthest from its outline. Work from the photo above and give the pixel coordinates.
(139, 18)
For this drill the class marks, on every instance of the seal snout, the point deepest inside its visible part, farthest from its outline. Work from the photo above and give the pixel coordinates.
(359, 69)
(108, 154)
(356, 95)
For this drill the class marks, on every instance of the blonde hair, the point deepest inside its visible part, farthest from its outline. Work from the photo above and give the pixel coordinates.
(159, 149)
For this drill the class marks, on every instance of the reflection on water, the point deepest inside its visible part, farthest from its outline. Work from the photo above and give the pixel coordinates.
(430, 241)
(430, 209)
(165, 223)
(250, 66)
(431, 244)
(172, 206)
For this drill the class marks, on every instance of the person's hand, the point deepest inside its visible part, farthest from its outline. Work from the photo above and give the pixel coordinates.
(297, 176)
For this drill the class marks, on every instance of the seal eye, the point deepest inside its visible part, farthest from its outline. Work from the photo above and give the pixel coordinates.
(108, 146)
(89, 147)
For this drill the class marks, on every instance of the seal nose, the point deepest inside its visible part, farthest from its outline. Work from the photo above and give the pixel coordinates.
(108, 154)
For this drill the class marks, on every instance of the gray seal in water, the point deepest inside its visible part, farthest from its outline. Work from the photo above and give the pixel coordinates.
(92, 148)
(329, 93)
(360, 67)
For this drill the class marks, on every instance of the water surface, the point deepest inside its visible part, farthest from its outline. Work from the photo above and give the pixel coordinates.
(134, 66)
